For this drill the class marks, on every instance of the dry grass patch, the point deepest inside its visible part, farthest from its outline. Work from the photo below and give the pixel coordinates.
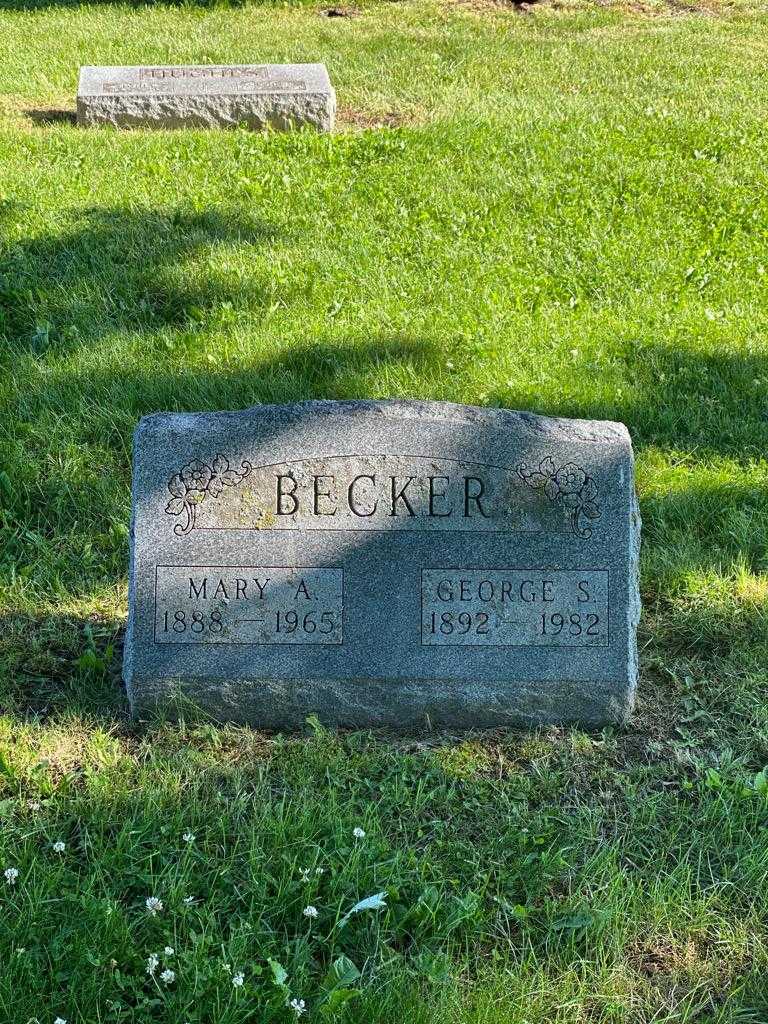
(676, 966)
(351, 120)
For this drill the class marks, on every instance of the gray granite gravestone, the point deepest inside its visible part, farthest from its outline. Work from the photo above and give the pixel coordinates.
(384, 563)
(258, 95)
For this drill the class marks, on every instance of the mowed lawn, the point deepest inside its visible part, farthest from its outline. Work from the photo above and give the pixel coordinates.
(565, 212)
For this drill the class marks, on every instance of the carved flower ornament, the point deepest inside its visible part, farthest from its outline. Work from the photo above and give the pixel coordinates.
(569, 486)
(195, 482)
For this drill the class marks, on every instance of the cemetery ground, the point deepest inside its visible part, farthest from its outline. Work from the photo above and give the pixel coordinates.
(564, 212)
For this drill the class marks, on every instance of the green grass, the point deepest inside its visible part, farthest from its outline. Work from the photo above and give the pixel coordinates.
(565, 212)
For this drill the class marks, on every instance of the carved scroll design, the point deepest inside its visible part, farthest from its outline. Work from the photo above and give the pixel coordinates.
(195, 482)
(569, 486)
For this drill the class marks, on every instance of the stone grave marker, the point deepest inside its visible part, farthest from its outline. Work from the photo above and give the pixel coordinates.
(384, 563)
(259, 95)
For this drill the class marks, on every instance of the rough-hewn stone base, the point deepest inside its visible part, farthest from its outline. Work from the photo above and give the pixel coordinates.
(408, 707)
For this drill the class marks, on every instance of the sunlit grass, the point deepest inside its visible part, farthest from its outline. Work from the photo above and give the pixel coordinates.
(564, 212)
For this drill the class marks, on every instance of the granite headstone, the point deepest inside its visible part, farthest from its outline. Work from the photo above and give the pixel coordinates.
(258, 95)
(389, 563)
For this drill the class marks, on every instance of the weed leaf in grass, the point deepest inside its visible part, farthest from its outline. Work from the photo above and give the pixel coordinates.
(341, 974)
(573, 922)
(375, 902)
(336, 1000)
(279, 975)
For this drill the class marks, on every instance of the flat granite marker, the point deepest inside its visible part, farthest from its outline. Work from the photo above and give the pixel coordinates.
(384, 563)
(258, 95)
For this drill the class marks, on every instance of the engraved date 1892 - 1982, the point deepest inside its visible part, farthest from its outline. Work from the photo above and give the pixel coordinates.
(514, 608)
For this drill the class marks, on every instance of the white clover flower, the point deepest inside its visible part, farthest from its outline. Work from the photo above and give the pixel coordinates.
(298, 1006)
(188, 900)
(34, 805)
(238, 979)
(153, 962)
(168, 976)
(11, 874)
(60, 1020)
(188, 837)
(153, 905)
(227, 968)
(358, 832)
(59, 846)
(304, 872)
(310, 911)
(169, 950)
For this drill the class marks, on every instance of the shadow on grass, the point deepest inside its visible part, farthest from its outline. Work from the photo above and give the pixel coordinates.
(53, 663)
(676, 398)
(52, 116)
(114, 269)
(129, 269)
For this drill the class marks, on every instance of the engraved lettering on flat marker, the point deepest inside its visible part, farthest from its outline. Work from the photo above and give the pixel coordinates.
(260, 78)
(249, 71)
(125, 87)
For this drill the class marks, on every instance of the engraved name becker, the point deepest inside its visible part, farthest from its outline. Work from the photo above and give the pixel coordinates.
(382, 492)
